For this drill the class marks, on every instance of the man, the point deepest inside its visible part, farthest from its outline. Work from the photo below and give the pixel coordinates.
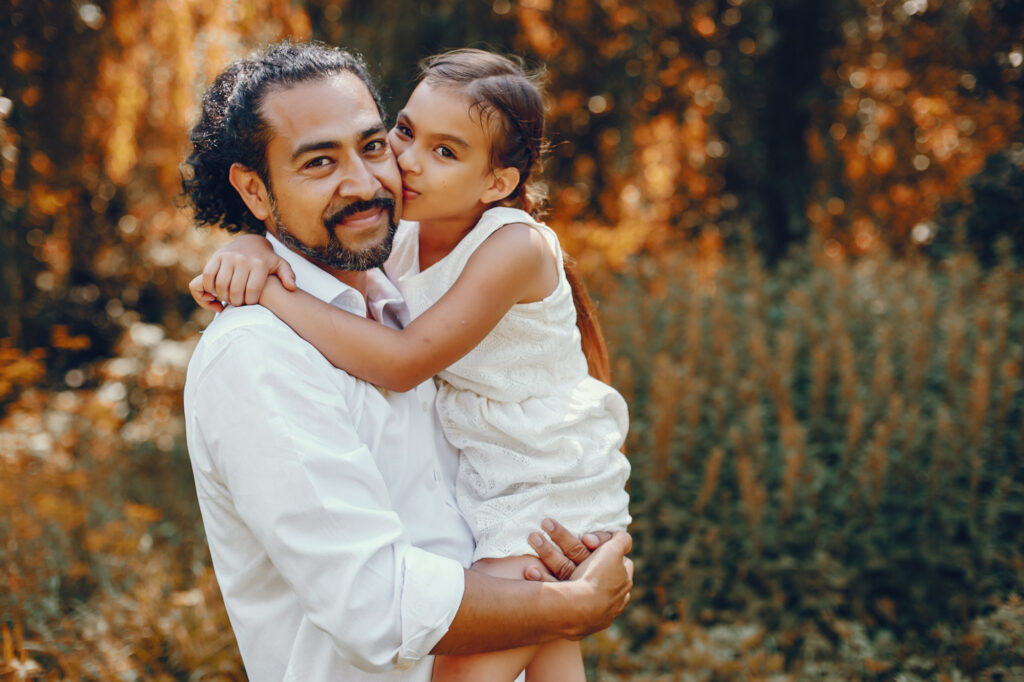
(328, 504)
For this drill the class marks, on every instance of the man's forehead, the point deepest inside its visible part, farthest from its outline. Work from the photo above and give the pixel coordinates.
(339, 105)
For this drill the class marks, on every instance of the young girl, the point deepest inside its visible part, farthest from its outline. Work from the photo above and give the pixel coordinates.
(494, 316)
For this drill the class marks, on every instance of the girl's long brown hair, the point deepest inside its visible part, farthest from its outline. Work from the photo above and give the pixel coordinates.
(511, 98)
(592, 338)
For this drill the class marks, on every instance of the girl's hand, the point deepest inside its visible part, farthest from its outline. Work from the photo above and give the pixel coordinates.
(203, 297)
(563, 553)
(238, 272)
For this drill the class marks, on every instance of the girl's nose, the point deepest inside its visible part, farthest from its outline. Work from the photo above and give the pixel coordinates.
(408, 161)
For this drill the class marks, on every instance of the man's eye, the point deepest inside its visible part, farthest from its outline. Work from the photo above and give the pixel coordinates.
(318, 162)
(376, 146)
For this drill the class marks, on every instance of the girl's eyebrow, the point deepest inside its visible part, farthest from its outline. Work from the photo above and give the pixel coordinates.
(443, 137)
(446, 137)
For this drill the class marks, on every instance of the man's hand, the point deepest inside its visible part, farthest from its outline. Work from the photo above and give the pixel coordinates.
(565, 554)
(605, 580)
(502, 614)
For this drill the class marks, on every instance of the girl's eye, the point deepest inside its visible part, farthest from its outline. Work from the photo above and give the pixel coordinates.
(446, 152)
(403, 130)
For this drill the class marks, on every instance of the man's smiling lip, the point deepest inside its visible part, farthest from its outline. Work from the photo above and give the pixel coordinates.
(365, 218)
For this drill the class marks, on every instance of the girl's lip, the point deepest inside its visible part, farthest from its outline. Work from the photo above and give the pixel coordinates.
(408, 193)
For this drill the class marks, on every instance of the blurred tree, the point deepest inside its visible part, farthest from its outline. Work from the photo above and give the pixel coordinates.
(97, 103)
(926, 92)
(773, 55)
(49, 175)
(989, 219)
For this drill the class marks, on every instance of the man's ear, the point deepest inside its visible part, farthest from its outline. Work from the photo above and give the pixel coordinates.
(252, 190)
(503, 182)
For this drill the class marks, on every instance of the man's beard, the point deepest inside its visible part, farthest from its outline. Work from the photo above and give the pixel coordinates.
(334, 254)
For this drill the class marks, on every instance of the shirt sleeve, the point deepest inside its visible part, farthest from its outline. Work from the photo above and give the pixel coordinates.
(279, 424)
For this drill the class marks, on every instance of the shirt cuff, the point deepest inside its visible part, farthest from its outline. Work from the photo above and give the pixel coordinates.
(431, 595)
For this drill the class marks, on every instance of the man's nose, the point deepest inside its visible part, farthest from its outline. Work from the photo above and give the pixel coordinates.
(359, 182)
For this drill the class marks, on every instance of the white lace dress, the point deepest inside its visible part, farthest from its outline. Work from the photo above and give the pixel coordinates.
(539, 437)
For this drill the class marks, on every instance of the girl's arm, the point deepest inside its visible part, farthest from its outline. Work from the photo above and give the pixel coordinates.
(237, 273)
(514, 265)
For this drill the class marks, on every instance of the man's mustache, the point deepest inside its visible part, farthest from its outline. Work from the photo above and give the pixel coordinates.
(386, 203)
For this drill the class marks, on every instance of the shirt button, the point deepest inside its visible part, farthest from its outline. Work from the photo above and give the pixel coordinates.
(437, 476)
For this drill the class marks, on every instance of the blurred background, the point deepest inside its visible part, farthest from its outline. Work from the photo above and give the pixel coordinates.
(803, 222)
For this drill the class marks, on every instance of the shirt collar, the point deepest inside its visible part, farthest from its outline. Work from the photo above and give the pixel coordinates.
(319, 282)
(383, 295)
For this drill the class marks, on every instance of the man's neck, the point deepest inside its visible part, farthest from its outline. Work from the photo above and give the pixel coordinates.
(354, 278)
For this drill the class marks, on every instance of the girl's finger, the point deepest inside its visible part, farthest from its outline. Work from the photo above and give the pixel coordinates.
(210, 274)
(570, 545)
(239, 277)
(254, 285)
(285, 273)
(595, 540)
(195, 287)
(560, 566)
(536, 575)
(222, 282)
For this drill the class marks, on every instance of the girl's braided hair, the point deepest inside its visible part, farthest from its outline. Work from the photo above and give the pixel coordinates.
(511, 98)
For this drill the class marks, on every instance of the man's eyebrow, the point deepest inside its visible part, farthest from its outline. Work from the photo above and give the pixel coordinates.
(321, 145)
(375, 129)
(314, 147)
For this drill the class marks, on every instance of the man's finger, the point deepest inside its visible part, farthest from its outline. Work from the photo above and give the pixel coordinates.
(621, 542)
(560, 567)
(570, 545)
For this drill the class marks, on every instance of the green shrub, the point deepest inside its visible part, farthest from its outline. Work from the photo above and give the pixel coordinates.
(832, 441)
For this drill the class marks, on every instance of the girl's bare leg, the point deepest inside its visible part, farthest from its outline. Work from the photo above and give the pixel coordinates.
(558, 661)
(504, 666)
(500, 666)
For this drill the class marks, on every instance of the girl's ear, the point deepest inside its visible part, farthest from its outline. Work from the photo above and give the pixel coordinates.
(252, 190)
(503, 182)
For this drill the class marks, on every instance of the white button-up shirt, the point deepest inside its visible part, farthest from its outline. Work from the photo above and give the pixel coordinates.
(328, 505)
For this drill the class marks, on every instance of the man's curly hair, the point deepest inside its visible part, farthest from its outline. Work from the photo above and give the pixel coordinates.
(232, 130)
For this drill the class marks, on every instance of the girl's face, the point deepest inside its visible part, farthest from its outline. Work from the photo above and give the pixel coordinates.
(443, 152)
